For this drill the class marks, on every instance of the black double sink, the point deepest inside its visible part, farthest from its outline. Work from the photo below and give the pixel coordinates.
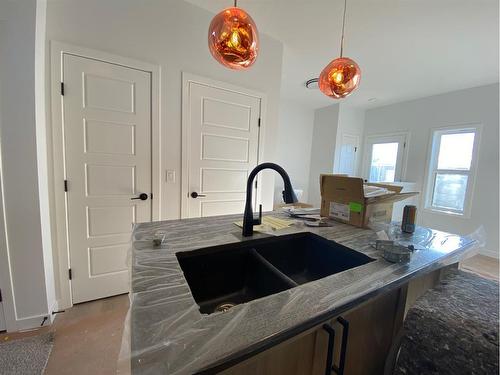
(221, 277)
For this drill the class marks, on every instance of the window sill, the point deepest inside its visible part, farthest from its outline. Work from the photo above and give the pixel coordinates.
(430, 210)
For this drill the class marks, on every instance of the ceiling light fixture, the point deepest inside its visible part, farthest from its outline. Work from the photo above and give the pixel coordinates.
(233, 38)
(341, 77)
(312, 83)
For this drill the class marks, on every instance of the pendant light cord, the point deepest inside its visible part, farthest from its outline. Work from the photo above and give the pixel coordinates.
(235, 3)
(343, 28)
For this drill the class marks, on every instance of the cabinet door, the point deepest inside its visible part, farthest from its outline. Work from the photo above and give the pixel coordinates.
(295, 356)
(371, 330)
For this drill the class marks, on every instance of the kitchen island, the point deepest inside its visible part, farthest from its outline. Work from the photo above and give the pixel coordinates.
(166, 332)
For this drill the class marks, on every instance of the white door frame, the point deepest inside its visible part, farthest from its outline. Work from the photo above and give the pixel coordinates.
(367, 152)
(58, 202)
(187, 78)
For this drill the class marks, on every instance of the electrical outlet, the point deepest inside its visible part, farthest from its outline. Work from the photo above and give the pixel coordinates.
(170, 176)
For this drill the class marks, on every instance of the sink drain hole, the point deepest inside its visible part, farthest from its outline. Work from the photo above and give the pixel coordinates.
(224, 307)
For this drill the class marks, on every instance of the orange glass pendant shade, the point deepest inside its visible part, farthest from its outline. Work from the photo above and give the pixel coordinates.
(233, 39)
(339, 78)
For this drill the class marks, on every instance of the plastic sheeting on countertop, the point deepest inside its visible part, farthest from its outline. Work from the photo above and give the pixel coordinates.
(165, 333)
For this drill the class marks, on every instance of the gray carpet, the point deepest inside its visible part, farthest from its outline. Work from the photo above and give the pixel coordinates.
(27, 356)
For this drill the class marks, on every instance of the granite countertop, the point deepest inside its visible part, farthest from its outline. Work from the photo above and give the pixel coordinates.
(166, 333)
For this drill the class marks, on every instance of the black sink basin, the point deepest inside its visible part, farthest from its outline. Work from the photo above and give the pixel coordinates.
(223, 276)
(306, 257)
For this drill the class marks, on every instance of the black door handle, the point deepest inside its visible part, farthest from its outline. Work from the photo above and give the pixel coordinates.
(142, 197)
(194, 194)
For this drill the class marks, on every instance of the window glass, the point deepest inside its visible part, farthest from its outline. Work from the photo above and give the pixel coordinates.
(455, 151)
(449, 191)
(383, 162)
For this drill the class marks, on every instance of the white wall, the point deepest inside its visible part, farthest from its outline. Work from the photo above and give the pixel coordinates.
(419, 117)
(322, 149)
(294, 146)
(330, 123)
(351, 121)
(22, 273)
(173, 35)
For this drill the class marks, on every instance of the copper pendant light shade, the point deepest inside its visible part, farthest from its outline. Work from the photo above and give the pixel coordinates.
(341, 77)
(233, 38)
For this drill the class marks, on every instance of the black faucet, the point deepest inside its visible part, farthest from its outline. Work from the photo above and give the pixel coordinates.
(288, 196)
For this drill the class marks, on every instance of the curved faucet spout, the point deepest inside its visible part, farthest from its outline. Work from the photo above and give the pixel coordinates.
(288, 196)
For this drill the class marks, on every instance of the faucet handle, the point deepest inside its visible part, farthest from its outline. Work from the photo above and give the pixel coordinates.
(258, 221)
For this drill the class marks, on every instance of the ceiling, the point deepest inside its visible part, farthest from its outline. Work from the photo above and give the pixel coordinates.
(406, 49)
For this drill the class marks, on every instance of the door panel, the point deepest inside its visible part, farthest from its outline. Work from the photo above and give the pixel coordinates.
(216, 180)
(229, 115)
(223, 148)
(223, 136)
(106, 221)
(107, 136)
(348, 154)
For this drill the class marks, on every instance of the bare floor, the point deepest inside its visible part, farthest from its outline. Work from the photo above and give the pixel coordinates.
(88, 336)
(482, 265)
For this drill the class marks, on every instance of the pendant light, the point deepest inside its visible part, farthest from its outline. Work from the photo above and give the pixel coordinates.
(341, 77)
(233, 38)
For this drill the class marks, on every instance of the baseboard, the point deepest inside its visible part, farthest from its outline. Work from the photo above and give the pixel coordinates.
(490, 253)
(33, 322)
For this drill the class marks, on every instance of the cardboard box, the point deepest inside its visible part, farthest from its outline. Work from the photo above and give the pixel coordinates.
(343, 199)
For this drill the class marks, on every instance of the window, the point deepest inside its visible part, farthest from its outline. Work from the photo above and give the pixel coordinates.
(451, 170)
(385, 157)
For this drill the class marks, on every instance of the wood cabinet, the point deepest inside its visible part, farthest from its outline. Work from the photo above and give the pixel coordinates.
(371, 329)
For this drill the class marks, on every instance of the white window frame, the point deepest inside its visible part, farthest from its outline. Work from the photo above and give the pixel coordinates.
(432, 169)
(401, 138)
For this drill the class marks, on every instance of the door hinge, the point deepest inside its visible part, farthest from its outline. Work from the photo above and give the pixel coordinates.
(62, 88)
(404, 144)
(151, 195)
(355, 149)
(259, 122)
(1, 299)
(65, 185)
(70, 274)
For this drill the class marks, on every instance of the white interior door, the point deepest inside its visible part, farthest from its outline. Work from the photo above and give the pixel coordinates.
(107, 137)
(222, 131)
(348, 154)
